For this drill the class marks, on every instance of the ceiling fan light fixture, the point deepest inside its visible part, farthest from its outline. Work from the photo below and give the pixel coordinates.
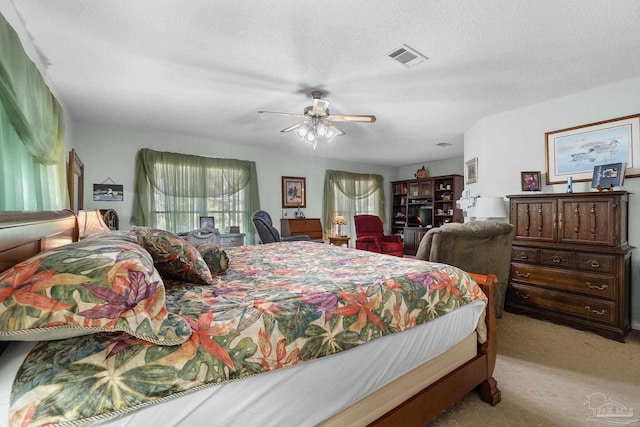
(322, 130)
(310, 137)
(303, 130)
(318, 123)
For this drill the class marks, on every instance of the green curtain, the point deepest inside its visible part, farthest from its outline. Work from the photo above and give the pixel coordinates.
(173, 190)
(349, 194)
(32, 131)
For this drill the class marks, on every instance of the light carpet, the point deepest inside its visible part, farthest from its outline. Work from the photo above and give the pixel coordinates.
(554, 375)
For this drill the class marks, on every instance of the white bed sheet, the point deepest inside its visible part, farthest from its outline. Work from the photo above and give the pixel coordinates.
(303, 395)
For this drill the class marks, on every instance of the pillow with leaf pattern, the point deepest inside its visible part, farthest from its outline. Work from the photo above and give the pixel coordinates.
(174, 257)
(86, 287)
(217, 259)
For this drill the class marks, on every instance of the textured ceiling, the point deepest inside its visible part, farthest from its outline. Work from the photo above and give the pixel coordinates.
(205, 67)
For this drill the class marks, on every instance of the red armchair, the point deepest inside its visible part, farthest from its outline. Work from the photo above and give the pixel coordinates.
(370, 236)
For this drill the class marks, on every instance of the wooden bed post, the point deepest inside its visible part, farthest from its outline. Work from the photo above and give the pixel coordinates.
(489, 391)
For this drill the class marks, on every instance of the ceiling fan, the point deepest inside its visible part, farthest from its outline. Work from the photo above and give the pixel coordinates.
(318, 122)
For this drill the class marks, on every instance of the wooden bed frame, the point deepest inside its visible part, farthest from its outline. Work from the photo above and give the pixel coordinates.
(22, 235)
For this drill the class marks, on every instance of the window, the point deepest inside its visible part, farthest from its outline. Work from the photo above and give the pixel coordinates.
(172, 192)
(350, 194)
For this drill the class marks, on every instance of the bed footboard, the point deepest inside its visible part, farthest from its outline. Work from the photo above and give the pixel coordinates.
(477, 373)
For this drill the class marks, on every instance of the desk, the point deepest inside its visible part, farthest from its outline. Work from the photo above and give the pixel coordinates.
(299, 226)
(339, 240)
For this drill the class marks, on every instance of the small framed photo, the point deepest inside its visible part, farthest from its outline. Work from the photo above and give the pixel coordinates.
(207, 222)
(605, 177)
(530, 181)
(471, 170)
(294, 192)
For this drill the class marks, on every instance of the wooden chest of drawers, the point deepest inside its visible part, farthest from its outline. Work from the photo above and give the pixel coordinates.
(570, 260)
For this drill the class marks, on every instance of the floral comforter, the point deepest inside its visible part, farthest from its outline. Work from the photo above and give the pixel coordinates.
(276, 306)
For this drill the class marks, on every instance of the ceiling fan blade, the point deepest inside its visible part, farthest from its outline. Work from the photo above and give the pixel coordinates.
(282, 114)
(338, 132)
(292, 127)
(352, 118)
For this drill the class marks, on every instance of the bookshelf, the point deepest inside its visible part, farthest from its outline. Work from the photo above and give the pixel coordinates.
(421, 204)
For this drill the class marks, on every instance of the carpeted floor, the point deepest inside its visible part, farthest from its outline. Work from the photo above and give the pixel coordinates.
(554, 375)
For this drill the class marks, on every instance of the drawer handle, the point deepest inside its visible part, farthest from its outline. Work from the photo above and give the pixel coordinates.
(598, 312)
(598, 287)
(524, 275)
(594, 264)
(556, 259)
(523, 255)
(523, 296)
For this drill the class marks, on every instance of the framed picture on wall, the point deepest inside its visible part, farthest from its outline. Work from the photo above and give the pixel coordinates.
(294, 192)
(471, 170)
(574, 152)
(108, 192)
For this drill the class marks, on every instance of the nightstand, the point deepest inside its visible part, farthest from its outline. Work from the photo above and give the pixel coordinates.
(339, 240)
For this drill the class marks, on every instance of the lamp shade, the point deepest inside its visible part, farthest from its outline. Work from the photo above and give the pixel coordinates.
(90, 222)
(490, 207)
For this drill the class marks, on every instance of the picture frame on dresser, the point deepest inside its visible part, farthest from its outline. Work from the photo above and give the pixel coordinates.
(207, 223)
(573, 152)
(294, 192)
(530, 180)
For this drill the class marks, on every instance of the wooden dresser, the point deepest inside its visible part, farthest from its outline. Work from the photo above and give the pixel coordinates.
(570, 261)
(298, 226)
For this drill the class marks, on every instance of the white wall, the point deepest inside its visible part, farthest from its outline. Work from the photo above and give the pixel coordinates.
(441, 167)
(508, 143)
(109, 152)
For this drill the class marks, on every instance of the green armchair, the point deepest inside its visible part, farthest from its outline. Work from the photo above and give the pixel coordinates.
(481, 247)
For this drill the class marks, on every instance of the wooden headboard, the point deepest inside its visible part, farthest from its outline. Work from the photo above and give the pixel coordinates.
(24, 234)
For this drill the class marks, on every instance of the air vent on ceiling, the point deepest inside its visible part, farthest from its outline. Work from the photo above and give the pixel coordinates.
(407, 56)
(444, 144)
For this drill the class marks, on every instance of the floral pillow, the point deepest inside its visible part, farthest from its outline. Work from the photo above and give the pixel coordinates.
(216, 259)
(174, 257)
(86, 287)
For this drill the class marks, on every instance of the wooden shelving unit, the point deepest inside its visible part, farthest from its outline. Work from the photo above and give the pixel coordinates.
(421, 204)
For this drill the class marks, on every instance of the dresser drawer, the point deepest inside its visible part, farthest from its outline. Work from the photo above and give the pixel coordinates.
(560, 302)
(598, 285)
(227, 241)
(522, 254)
(557, 258)
(596, 262)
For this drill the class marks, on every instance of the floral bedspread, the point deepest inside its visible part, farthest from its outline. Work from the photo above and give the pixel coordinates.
(276, 306)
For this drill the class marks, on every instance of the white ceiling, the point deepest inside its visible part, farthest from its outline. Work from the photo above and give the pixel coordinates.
(204, 68)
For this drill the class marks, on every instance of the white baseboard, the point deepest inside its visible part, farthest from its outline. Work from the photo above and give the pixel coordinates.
(635, 325)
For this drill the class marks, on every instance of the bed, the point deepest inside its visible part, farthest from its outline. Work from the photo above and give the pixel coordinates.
(411, 372)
